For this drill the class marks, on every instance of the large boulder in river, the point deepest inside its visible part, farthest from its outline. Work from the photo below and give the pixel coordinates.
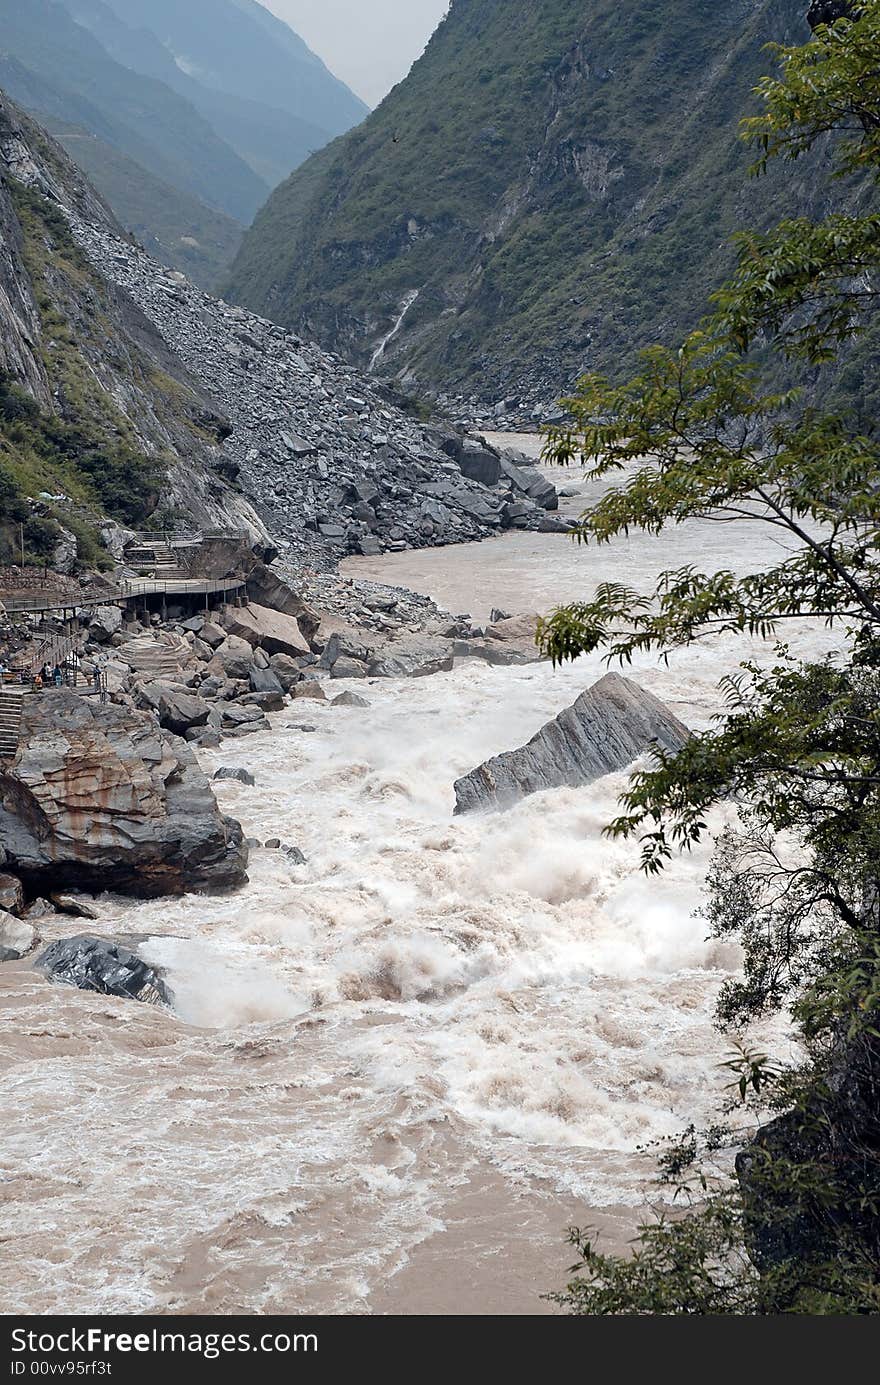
(267, 588)
(517, 468)
(97, 964)
(98, 797)
(509, 641)
(272, 631)
(609, 727)
(17, 937)
(419, 656)
(479, 462)
(176, 709)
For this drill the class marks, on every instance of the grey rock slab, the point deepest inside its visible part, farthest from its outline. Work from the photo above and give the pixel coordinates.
(97, 964)
(606, 730)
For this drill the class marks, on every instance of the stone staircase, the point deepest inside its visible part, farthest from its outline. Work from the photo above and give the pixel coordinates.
(11, 707)
(158, 559)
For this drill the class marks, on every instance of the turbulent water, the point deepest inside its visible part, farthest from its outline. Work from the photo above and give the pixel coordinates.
(396, 1074)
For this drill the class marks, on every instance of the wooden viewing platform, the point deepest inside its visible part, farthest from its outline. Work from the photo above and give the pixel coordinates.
(119, 595)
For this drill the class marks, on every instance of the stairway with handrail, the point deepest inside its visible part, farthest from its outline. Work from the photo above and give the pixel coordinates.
(11, 708)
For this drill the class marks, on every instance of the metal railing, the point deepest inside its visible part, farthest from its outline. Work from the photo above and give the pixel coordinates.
(173, 537)
(126, 590)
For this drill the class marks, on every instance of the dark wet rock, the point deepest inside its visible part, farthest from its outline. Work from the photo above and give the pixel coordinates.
(97, 964)
(101, 798)
(294, 855)
(264, 680)
(479, 463)
(608, 728)
(835, 1132)
(241, 776)
(266, 701)
(11, 894)
(517, 469)
(177, 710)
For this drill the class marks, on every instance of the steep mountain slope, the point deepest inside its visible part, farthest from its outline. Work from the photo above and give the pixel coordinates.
(126, 391)
(175, 228)
(96, 410)
(271, 139)
(238, 47)
(52, 65)
(551, 188)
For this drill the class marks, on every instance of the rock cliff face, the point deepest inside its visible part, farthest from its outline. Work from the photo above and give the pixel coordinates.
(256, 428)
(550, 189)
(80, 345)
(608, 728)
(99, 798)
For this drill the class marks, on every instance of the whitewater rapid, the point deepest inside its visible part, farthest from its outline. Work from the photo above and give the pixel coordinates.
(395, 1075)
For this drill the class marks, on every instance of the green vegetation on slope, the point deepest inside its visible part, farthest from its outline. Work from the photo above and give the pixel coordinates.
(87, 451)
(558, 179)
(795, 756)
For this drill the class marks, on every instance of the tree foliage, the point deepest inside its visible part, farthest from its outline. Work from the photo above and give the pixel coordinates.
(697, 435)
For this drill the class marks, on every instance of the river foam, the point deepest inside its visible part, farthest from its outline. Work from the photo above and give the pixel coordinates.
(424, 1052)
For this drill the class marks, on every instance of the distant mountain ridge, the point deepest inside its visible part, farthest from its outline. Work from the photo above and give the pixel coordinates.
(183, 94)
(552, 187)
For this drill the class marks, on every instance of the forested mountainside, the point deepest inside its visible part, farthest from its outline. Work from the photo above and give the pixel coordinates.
(188, 140)
(552, 188)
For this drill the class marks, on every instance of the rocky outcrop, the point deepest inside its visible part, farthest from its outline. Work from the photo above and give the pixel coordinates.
(608, 728)
(509, 641)
(99, 797)
(11, 894)
(827, 11)
(17, 938)
(332, 466)
(97, 964)
(416, 657)
(137, 381)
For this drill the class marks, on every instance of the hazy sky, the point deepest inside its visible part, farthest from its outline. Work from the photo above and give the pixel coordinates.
(370, 44)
